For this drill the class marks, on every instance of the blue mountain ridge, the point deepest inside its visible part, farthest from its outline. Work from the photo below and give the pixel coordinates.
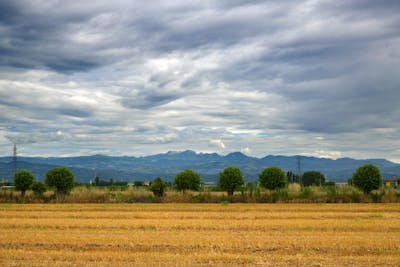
(166, 165)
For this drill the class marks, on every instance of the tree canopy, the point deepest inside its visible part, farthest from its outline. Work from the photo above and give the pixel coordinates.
(23, 181)
(158, 187)
(61, 178)
(187, 180)
(367, 178)
(273, 178)
(230, 179)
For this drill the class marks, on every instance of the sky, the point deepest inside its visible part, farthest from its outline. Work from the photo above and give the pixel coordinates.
(316, 78)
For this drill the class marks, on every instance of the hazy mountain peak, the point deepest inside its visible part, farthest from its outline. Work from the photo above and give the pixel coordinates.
(173, 152)
(209, 165)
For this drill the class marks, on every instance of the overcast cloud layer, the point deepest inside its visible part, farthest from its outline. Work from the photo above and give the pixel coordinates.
(317, 78)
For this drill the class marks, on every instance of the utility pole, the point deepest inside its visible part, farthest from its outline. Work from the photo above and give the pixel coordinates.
(15, 158)
(299, 169)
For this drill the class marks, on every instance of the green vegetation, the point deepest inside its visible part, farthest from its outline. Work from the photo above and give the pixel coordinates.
(230, 179)
(294, 193)
(367, 178)
(187, 180)
(158, 187)
(97, 181)
(292, 177)
(23, 181)
(313, 178)
(272, 188)
(61, 178)
(273, 178)
(38, 189)
(111, 182)
(138, 183)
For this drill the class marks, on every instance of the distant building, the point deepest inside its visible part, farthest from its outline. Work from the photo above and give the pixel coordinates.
(146, 183)
(206, 184)
(393, 182)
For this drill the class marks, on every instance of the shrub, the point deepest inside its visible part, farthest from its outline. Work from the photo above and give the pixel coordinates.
(187, 180)
(38, 189)
(230, 179)
(273, 178)
(61, 178)
(377, 195)
(332, 193)
(294, 189)
(391, 196)
(158, 187)
(367, 178)
(23, 181)
(306, 192)
(281, 196)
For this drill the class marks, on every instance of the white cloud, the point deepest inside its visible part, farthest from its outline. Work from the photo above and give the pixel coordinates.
(246, 150)
(218, 143)
(327, 154)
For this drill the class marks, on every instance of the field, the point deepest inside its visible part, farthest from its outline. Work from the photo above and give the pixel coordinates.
(199, 234)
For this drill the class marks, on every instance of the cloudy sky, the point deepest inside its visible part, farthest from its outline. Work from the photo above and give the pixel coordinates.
(317, 78)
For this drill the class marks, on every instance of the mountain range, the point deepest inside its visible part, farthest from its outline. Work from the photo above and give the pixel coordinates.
(166, 165)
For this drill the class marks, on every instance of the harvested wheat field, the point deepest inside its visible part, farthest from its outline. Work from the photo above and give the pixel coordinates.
(200, 234)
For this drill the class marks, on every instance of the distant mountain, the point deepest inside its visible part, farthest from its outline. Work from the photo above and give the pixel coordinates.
(209, 165)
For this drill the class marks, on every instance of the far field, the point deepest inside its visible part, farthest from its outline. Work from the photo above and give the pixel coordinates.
(199, 234)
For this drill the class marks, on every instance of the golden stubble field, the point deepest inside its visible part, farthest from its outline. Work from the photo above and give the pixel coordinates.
(200, 234)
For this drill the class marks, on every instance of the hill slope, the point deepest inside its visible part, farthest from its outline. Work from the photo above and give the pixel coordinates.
(166, 165)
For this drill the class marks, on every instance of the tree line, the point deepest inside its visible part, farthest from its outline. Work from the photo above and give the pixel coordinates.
(366, 178)
(61, 179)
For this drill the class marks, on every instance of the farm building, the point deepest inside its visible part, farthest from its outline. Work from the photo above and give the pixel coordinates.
(393, 182)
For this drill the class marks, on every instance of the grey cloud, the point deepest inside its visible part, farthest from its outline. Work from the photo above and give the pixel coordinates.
(33, 103)
(69, 65)
(9, 11)
(42, 40)
(75, 112)
(145, 99)
(35, 137)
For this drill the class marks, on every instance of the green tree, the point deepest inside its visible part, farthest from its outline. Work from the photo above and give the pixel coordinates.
(97, 181)
(187, 180)
(38, 188)
(292, 177)
(23, 181)
(158, 187)
(273, 178)
(367, 178)
(313, 178)
(138, 183)
(230, 179)
(61, 178)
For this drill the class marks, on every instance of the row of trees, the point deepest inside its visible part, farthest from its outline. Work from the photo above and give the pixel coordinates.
(366, 177)
(59, 178)
(231, 179)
